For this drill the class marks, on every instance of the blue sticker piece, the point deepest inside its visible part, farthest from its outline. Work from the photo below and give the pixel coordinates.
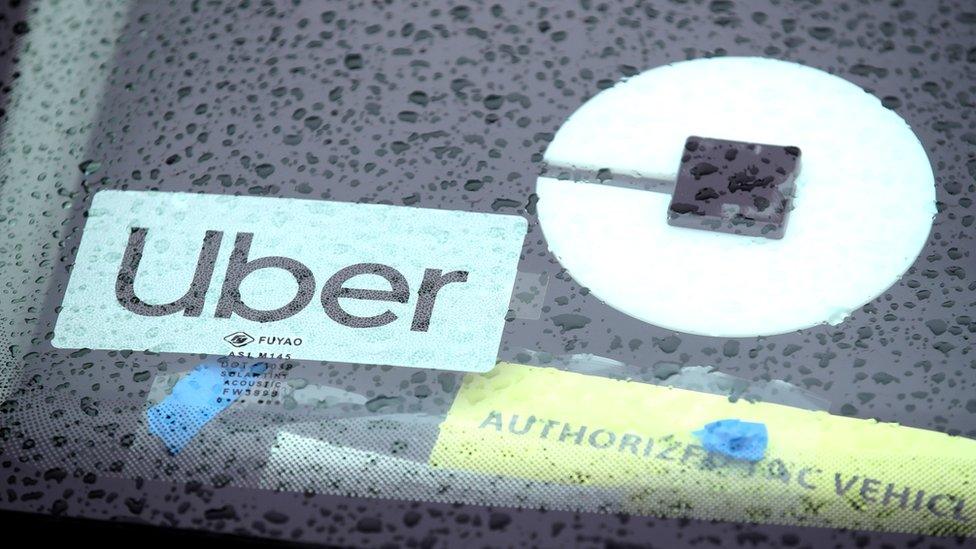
(196, 399)
(735, 438)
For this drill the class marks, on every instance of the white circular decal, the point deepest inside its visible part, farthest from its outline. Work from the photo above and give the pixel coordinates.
(862, 211)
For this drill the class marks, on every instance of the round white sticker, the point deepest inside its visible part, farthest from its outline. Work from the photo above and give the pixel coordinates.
(862, 211)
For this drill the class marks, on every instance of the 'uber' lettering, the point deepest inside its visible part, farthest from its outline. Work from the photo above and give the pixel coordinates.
(240, 266)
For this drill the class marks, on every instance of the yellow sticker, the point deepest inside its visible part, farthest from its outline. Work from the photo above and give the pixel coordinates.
(819, 469)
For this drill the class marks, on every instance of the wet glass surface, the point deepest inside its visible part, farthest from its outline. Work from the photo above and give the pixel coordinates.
(447, 107)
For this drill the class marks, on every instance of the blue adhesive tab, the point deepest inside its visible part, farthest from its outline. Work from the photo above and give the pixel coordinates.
(194, 401)
(735, 438)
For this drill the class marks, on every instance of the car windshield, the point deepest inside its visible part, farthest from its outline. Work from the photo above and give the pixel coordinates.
(548, 273)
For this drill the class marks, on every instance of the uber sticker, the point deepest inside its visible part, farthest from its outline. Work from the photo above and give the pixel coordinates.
(290, 278)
